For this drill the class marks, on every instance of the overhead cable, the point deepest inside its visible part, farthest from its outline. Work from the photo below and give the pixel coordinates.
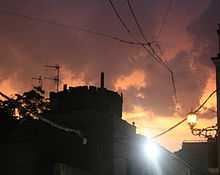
(128, 31)
(71, 27)
(60, 127)
(164, 19)
(155, 55)
(136, 21)
(118, 16)
(205, 101)
(183, 120)
(169, 129)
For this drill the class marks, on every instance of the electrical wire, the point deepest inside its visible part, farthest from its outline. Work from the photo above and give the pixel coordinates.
(71, 27)
(209, 109)
(205, 101)
(152, 50)
(120, 40)
(140, 29)
(159, 60)
(169, 129)
(164, 19)
(53, 124)
(183, 120)
(149, 51)
(82, 29)
(118, 16)
(136, 21)
(155, 55)
(128, 31)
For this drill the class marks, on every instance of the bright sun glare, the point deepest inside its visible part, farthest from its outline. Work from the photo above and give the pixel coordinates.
(152, 150)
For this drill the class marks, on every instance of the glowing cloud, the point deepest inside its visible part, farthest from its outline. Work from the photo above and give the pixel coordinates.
(6, 87)
(150, 125)
(70, 78)
(210, 86)
(136, 79)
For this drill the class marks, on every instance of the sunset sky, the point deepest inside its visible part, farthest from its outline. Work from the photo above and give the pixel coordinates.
(185, 31)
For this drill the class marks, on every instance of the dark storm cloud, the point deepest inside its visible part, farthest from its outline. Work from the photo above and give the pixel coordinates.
(43, 43)
(28, 45)
(189, 66)
(203, 30)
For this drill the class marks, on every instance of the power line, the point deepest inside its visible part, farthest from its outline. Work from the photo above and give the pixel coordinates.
(169, 129)
(128, 31)
(149, 50)
(205, 101)
(71, 27)
(209, 109)
(143, 35)
(140, 29)
(124, 25)
(154, 54)
(59, 126)
(118, 16)
(164, 19)
(183, 120)
(136, 21)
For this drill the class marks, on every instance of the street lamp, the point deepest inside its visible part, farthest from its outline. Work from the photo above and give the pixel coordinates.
(208, 132)
(192, 119)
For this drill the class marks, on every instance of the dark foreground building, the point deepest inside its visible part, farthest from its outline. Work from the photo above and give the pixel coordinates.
(106, 145)
(195, 153)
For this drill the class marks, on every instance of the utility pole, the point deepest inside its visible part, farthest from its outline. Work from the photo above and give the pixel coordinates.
(39, 80)
(56, 79)
(216, 61)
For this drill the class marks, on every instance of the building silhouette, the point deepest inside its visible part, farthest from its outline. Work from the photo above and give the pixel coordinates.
(106, 144)
(195, 153)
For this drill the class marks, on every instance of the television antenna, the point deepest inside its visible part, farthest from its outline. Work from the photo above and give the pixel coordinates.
(55, 78)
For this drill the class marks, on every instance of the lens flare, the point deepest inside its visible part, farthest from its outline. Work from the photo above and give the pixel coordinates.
(152, 150)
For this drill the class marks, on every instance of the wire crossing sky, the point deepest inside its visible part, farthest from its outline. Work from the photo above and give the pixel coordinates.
(88, 37)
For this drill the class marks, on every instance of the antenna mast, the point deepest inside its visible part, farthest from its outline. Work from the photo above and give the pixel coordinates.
(56, 79)
(39, 80)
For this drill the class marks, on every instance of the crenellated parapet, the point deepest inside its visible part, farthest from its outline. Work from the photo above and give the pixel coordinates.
(86, 98)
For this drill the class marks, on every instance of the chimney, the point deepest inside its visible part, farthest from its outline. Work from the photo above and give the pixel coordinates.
(102, 81)
(65, 87)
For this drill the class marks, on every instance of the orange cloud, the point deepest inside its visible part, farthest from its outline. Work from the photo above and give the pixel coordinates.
(6, 86)
(175, 39)
(209, 88)
(150, 125)
(72, 79)
(136, 79)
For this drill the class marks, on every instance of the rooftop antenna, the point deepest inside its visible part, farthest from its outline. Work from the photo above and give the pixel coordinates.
(39, 80)
(56, 79)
